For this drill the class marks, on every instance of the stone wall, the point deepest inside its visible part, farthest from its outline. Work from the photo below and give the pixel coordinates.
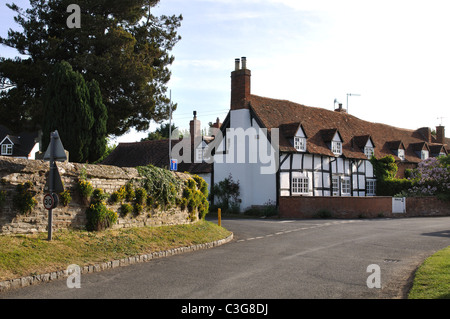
(109, 178)
(359, 207)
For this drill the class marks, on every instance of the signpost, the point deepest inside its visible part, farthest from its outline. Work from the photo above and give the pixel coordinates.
(173, 164)
(55, 151)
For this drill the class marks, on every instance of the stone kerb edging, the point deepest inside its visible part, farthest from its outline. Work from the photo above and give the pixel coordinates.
(36, 279)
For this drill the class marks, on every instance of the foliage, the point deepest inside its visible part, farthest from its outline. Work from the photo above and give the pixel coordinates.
(125, 209)
(67, 104)
(161, 185)
(99, 217)
(226, 195)
(385, 170)
(98, 195)
(120, 44)
(195, 197)
(98, 145)
(85, 188)
(431, 178)
(118, 195)
(24, 199)
(385, 167)
(160, 133)
(65, 197)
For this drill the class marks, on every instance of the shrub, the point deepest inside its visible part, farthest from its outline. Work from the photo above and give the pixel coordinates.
(86, 189)
(226, 195)
(98, 195)
(118, 195)
(65, 197)
(141, 196)
(125, 209)
(24, 199)
(129, 192)
(99, 217)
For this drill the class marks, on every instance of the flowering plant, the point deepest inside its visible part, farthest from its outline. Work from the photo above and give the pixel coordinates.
(431, 178)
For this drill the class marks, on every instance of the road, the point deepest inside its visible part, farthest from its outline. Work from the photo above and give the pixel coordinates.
(275, 259)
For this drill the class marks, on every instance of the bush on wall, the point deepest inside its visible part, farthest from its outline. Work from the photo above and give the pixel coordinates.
(24, 199)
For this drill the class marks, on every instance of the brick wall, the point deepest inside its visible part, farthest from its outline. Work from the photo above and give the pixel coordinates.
(108, 178)
(357, 207)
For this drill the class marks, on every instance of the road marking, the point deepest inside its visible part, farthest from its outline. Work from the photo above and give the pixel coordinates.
(299, 229)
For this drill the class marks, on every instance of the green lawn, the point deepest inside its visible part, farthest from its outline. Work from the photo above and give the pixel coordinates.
(432, 279)
(24, 255)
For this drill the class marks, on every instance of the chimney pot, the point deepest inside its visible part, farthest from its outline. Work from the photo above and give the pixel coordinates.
(236, 64)
(244, 63)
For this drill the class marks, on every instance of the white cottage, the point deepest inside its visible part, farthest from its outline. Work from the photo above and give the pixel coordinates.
(279, 148)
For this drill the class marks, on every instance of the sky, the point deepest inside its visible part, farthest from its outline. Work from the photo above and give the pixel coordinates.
(392, 56)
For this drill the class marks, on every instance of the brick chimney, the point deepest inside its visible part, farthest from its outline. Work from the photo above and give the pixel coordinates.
(240, 85)
(440, 134)
(195, 128)
(340, 109)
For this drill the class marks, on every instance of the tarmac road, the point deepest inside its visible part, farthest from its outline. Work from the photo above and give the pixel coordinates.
(275, 259)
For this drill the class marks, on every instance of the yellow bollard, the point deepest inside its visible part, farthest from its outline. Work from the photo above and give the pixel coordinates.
(219, 216)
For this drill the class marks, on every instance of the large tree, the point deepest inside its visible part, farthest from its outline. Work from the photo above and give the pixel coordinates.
(120, 44)
(67, 109)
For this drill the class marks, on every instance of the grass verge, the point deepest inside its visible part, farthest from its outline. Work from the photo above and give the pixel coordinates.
(24, 255)
(432, 279)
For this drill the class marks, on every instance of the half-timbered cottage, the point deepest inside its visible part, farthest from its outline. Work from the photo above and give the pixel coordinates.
(316, 152)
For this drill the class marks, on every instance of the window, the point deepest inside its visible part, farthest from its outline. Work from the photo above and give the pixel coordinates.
(199, 154)
(335, 185)
(300, 185)
(300, 143)
(7, 149)
(371, 186)
(423, 155)
(345, 186)
(368, 151)
(401, 154)
(336, 147)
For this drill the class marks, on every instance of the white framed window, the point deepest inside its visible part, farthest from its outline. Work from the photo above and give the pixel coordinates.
(401, 154)
(7, 149)
(441, 154)
(300, 185)
(300, 143)
(335, 185)
(336, 147)
(371, 187)
(368, 151)
(346, 186)
(423, 155)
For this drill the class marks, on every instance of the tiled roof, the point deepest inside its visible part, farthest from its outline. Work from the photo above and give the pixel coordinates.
(155, 152)
(320, 125)
(23, 142)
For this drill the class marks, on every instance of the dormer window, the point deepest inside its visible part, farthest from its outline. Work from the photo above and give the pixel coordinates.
(336, 147)
(300, 143)
(424, 155)
(401, 154)
(7, 149)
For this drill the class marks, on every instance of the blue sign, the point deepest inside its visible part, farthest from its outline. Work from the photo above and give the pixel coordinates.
(173, 164)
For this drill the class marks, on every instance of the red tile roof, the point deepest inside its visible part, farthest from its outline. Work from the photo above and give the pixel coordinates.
(319, 124)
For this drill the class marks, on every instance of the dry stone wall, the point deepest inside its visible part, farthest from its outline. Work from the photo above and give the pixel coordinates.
(109, 178)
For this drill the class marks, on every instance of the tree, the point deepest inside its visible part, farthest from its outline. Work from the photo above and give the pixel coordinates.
(67, 109)
(120, 44)
(160, 133)
(99, 142)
